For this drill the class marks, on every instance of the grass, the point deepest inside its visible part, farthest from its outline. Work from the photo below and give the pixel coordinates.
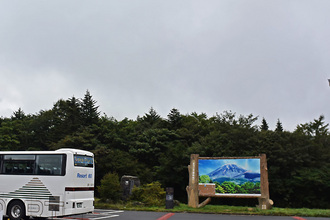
(217, 209)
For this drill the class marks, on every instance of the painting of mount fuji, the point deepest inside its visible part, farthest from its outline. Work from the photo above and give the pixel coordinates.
(231, 176)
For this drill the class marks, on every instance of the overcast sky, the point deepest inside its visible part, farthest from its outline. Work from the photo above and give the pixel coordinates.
(270, 58)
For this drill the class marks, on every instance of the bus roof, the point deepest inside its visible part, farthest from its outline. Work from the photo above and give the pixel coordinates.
(62, 150)
(75, 151)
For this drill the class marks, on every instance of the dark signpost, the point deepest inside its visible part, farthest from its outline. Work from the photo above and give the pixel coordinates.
(169, 202)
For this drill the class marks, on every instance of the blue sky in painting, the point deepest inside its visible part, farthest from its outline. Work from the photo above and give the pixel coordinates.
(207, 166)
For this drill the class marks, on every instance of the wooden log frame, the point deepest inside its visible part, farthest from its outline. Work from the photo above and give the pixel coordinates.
(193, 189)
(264, 201)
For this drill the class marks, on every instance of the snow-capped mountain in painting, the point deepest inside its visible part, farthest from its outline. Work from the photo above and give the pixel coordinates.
(233, 171)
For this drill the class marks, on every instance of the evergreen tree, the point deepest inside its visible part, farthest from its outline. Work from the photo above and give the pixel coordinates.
(65, 117)
(74, 115)
(279, 127)
(174, 118)
(150, 120)
(18, 115)
(90, 113)
(264, 125)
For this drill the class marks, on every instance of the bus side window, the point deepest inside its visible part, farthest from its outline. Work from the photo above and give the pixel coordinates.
(49, 165)
(18, 167)
(18, 164)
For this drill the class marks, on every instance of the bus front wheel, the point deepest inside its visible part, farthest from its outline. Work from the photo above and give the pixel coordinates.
(16, 210)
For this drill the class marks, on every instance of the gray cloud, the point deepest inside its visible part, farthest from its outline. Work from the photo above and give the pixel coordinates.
(268, 58)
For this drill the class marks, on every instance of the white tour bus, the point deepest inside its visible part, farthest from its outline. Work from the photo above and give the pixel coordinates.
(46, 183)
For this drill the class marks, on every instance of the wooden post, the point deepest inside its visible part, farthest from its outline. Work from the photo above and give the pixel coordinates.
(192, 189)
(264, 201)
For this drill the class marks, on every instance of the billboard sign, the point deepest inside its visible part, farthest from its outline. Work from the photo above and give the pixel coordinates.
(233, 177)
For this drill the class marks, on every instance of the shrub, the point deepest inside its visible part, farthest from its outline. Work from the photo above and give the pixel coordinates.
(110, 188)
(151, 194)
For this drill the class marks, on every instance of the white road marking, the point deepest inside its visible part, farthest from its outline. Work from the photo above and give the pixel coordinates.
(103, 213)
(109, 216)
(111, 212)
(108, 213)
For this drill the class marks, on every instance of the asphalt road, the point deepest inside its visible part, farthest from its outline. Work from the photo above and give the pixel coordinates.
(139, 215)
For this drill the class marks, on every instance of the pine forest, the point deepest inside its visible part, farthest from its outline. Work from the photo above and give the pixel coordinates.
(158, 149)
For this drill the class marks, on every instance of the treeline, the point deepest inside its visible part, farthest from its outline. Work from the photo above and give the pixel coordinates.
(158, 149)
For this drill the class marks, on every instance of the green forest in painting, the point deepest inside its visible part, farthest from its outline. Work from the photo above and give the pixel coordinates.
(231, 187)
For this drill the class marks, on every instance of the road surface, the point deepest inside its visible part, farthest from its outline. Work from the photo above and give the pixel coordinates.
(100, 214)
